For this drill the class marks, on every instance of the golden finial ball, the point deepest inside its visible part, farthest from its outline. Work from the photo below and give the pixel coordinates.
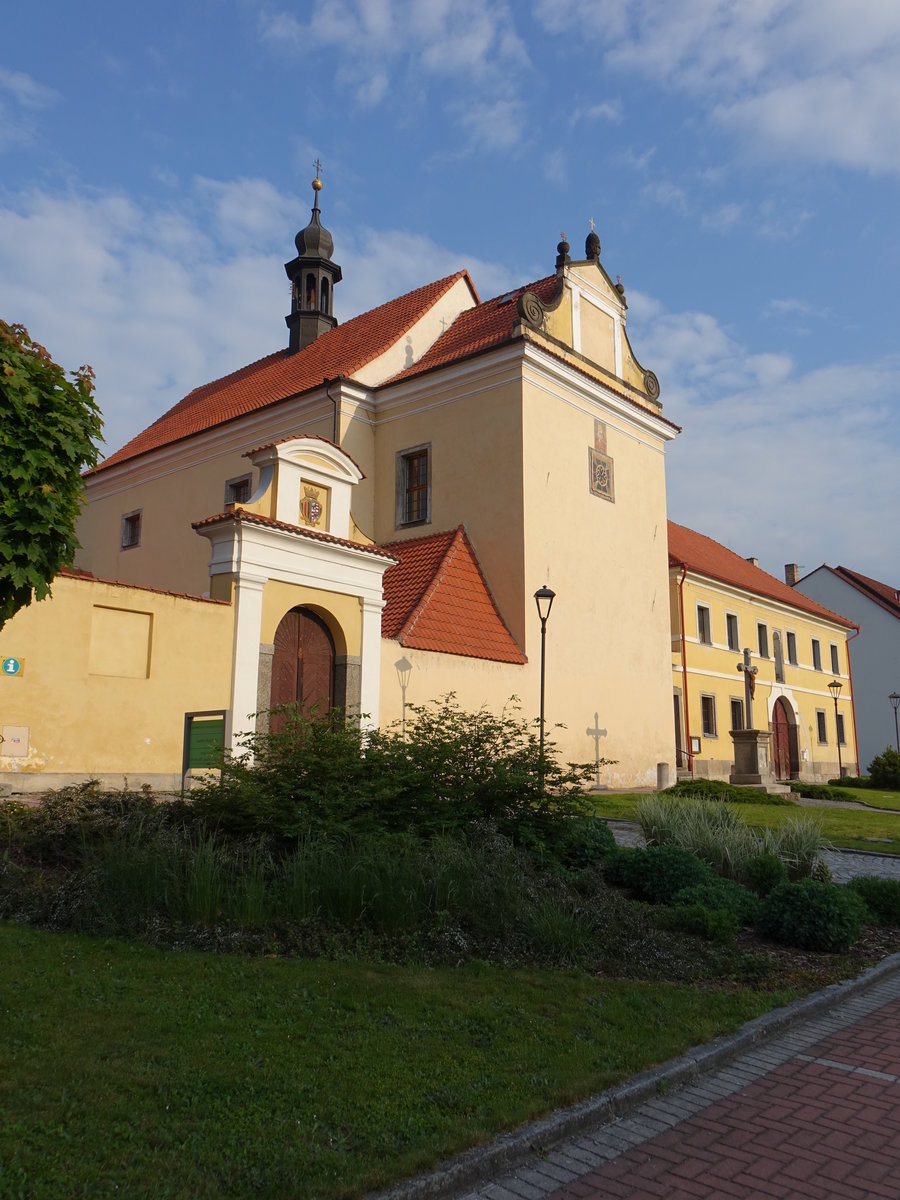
(317, 184)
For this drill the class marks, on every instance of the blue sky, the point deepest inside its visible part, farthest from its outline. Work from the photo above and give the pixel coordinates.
(740, 159)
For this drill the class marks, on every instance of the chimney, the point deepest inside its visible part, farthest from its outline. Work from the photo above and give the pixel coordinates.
(754, 562)
(791, 573)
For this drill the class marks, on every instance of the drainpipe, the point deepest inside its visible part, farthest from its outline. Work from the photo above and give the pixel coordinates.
(335, 400)
(853, 697)
(686, 705)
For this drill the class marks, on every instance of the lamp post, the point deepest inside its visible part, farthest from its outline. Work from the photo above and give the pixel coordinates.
(543, 598)
(835, 688)
(894, 698)
(404, 670)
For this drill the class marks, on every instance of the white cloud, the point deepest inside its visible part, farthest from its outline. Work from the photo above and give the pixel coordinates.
(817, 80)
(162, 300)
(25, 90)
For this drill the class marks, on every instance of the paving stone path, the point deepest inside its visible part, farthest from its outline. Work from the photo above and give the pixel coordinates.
(813, 1113)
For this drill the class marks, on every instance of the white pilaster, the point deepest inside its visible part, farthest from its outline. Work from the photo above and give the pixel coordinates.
(370, 666)
(248, 593)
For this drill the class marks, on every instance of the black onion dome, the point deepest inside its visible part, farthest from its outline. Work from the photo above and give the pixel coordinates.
(314, 241)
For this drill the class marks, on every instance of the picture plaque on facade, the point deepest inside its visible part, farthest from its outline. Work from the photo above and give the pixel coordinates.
(601, 475)
(312, 506)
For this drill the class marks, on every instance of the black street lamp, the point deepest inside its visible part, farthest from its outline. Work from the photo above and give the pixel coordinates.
(543, 598)
(835, 688)
(404, 669)
(894, 698)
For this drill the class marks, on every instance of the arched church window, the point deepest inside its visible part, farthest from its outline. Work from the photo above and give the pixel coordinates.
(310, 291)
(324, 304)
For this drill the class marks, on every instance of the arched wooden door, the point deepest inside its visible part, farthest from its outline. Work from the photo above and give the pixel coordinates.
(781, 741)
(303, 665)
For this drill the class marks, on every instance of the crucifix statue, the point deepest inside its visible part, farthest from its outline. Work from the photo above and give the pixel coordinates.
(596, 733)
(750, 674)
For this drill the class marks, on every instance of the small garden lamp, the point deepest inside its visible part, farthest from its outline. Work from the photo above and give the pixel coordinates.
(404, 670)
(543, 598)
(894, 698)
(835, 688)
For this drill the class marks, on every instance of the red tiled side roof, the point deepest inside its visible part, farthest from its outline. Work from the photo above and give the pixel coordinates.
(488, 324)
(241, 515)
(341, 351)
(437, 598)
(700, 553)
(882, 593)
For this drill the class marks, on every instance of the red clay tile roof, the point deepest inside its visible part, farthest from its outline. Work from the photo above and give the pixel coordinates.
(480, 328)
(437, 598)
(701, 554)
(281, 375)
(252, 518)
(882, 593)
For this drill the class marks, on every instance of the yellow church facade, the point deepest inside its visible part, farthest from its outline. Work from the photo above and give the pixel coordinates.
(722, 604)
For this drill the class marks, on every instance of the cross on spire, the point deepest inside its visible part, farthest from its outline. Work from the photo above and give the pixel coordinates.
(318, 166)
(592, 224)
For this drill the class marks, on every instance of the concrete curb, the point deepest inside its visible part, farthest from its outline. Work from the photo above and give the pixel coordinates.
(506, 1153)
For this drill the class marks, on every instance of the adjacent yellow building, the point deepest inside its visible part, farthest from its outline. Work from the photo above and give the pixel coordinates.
(721, 604)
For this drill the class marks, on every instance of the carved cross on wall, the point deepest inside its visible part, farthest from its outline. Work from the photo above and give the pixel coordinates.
(596, 733)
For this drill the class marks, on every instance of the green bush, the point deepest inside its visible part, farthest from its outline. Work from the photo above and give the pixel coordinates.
(718, 789)
(721, 894)
(451, 770)
(884, 771)
(576, 843)
(762, 873)
(812, 916)
(713, 924)
(881, 896)
(817, 791)
(659, 872)
(852, 781)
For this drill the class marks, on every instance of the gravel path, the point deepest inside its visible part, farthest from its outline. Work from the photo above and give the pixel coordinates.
(844, 864)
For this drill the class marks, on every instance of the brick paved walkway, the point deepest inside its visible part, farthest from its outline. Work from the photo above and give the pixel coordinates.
(813, 1113)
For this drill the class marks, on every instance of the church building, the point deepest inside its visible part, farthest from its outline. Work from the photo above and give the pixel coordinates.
(368, 512)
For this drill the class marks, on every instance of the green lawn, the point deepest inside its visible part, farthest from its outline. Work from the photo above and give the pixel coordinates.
(129, 1070)
(852, 828)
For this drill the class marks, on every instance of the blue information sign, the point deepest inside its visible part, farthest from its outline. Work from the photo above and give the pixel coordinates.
(12, 666)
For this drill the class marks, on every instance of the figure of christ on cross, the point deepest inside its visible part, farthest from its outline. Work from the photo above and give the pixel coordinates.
(749, 674)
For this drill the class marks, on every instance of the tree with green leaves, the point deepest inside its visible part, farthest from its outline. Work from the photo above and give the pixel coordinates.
(49, 427)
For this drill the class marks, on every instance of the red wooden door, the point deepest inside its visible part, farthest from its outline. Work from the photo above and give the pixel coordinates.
(781, 744)
(303, 665)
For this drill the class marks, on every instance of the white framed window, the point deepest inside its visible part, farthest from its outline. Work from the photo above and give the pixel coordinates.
(835, 660)
(704, 625)
(791, 648)
(237, 490)
(708, 715)
(131, 529)
(413, 486)
(731, 630)
(737, 713)
(821, 727)
(762, 639)
(839, 719)
(817, 654)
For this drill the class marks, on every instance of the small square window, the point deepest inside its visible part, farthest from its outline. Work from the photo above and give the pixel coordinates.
(237, 491)
(762, 637)
(737, 714)
(835, 662)
(131, 530)
(731, 628)
(708, 715)
(821, 728)
(704, 628)
(792, 649)
(817, 654)
(413, 486)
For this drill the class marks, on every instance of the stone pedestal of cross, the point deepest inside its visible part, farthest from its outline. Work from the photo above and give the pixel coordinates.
(596, 733)
(751, 746)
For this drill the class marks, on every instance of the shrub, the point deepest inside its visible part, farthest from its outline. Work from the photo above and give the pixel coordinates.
(817, 791)
(721, 894)
(884, 771)
(762, 873)
(812, 916)
(881, 896)
(659, 872)
(718, 789)
(577, 843)
(713, 924)
(852, 781)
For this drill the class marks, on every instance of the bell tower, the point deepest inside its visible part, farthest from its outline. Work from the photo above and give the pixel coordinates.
(313, 276)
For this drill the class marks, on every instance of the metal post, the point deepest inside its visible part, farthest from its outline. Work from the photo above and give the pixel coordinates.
(837, 738)
(894, 698)
(543, 598)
